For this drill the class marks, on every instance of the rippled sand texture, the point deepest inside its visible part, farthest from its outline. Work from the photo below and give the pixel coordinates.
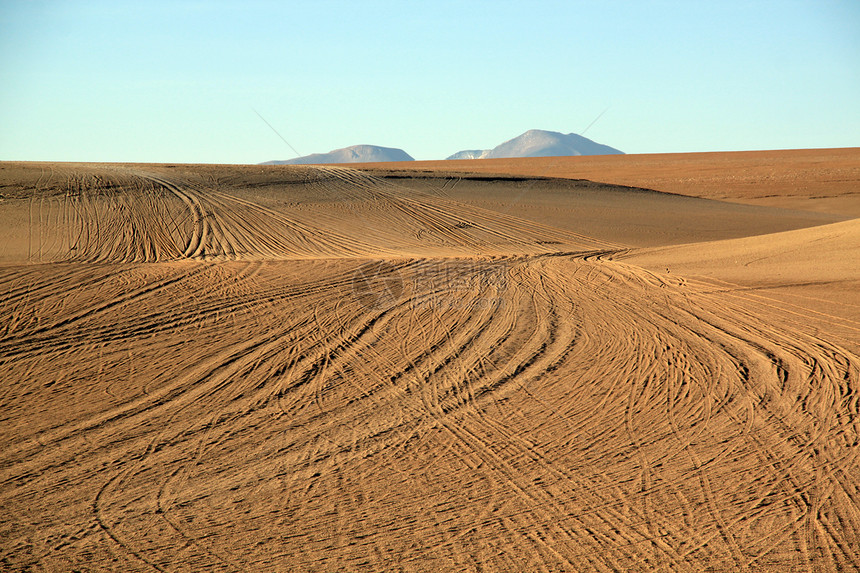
(320, 369)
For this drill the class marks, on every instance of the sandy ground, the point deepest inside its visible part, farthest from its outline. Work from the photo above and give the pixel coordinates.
(826, 180)
(222, 368)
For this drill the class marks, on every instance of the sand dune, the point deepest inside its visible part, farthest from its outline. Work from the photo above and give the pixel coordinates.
(825, 180)
(812, 274)
(318, 368)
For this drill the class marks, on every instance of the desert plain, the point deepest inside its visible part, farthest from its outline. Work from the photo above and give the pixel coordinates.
(620, 363)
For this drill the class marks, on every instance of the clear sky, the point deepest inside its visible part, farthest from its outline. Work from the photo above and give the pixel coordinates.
(180, 80)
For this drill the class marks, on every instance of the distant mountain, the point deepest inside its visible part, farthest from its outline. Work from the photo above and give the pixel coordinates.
(353, 154)
(470, 154)
(533, 143)
(540, 143)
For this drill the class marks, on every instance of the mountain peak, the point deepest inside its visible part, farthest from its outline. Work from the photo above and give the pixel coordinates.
(351, 154)
(541, 143)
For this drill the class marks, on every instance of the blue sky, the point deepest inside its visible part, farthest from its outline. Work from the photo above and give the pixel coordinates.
(179, 80)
